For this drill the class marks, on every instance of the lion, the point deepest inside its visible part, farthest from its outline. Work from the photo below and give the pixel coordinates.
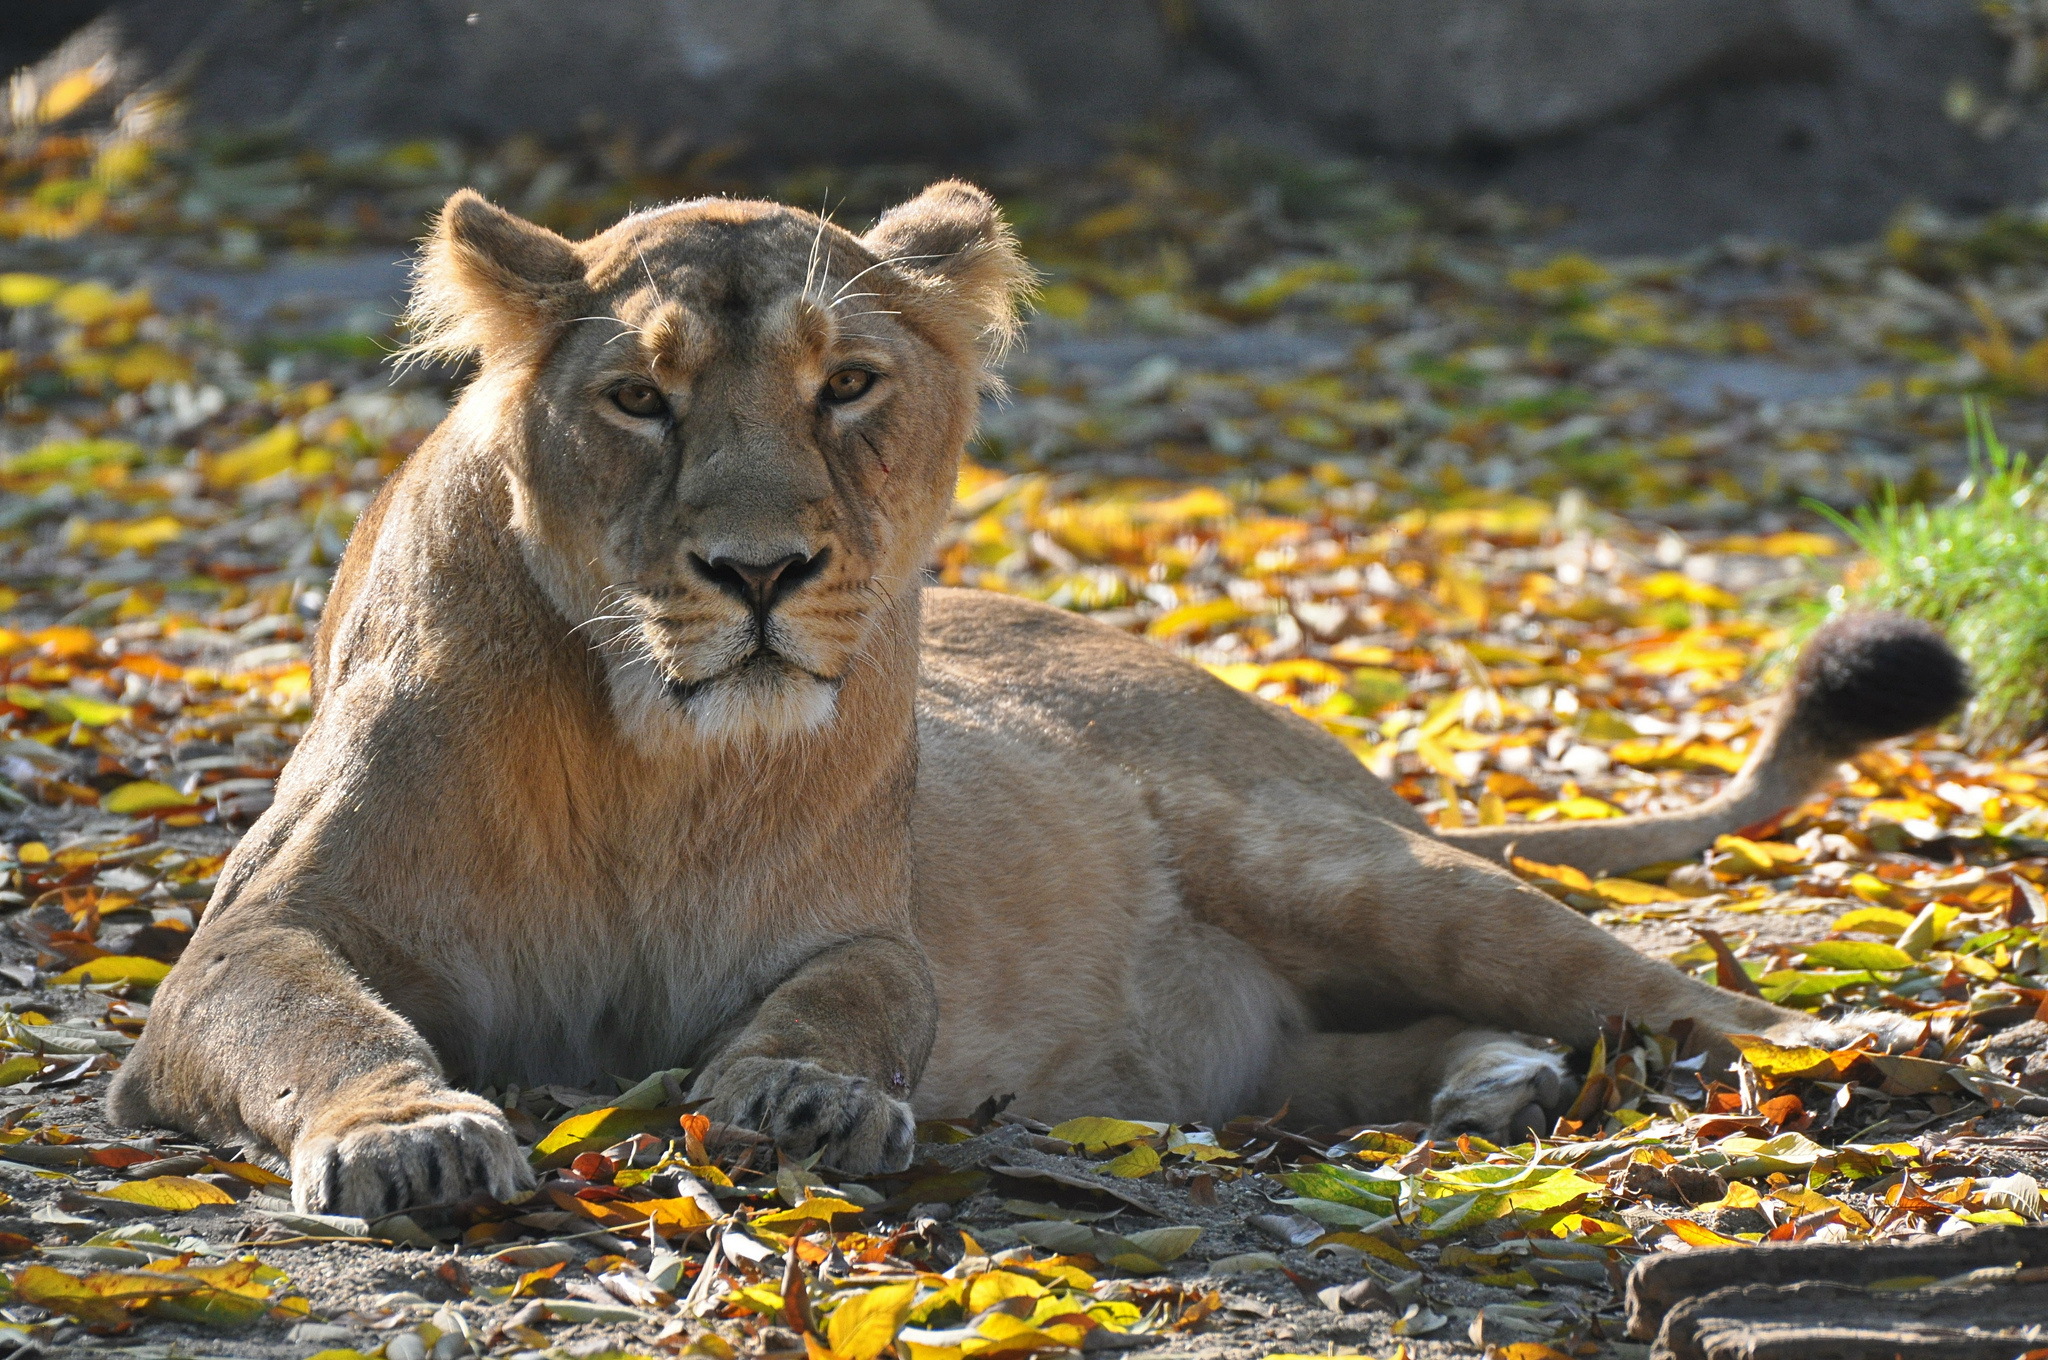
(641, 743)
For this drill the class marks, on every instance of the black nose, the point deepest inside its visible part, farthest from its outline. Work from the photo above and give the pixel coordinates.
(759, 585)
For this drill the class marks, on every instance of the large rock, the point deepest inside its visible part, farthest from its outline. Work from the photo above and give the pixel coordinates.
(1656, 122)
(866, 79)
(1433, 75)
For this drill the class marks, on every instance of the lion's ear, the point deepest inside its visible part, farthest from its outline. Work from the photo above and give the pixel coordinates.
(489, 282)
(953, 239)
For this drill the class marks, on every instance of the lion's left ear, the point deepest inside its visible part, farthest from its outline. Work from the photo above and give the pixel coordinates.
(489, 283)
(952, 239)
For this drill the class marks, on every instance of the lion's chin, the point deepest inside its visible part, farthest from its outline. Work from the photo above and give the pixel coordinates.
(762, 699)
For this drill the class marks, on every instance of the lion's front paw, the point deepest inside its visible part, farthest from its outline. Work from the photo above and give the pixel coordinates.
(1502, 1091)
(805, 1107)
(399, 1150)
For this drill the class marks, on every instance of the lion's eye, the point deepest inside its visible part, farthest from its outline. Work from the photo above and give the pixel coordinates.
(640, 399)
(849, 384)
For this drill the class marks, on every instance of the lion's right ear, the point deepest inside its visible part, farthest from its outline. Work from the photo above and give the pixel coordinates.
(489, 283)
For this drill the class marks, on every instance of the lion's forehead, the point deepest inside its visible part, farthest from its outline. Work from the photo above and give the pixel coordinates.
(739, 254)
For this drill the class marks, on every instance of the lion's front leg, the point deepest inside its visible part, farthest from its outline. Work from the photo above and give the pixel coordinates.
(263, 1035)
(828, 1062)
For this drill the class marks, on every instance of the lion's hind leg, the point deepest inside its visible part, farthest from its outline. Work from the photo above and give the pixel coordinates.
(1454, 1076)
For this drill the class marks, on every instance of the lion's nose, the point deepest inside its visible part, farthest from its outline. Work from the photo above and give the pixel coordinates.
(759, 585)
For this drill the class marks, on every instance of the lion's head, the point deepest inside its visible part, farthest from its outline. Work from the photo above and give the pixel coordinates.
(730, 429)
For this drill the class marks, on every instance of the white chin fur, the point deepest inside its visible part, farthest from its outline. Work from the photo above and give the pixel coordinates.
(750, 708)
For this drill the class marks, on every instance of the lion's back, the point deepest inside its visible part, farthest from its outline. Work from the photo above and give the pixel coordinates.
(996, 668)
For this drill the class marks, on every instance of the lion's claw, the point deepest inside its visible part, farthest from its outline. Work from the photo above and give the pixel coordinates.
(433, 1149)
(1501, 1091)
(806, 1108)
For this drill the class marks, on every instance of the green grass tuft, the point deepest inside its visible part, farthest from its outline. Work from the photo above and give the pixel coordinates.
(1976, 565)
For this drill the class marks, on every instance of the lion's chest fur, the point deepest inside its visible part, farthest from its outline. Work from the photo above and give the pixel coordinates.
(569, 937)
(579, 985)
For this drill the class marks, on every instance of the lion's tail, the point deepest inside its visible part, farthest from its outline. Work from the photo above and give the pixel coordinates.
(1861, 678)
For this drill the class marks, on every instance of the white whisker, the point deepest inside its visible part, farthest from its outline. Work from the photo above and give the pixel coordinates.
(894, 259)
(601, 618)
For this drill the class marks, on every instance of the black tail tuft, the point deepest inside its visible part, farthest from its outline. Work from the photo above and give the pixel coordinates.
(1865, 677)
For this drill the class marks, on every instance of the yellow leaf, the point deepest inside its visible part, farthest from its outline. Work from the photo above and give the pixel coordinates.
(102, 1298)
(1672, 585)
(762, 1298)
(1776, 1062)
(69, 92)
(145, 795)
(598, 1130)
(1306, 671)
(1900, 810)
(1551, 1191)
(147, 364)
(1739, 1196)
(865, 1325)
(815, 1209)
(117, 968)
(1371, 1246)
(1362, 653)
(1194, 618)
(1630, 892)
(1244, 675)
(1693, 650)
(264, 456)
(91, 302)
(1092, 1133)
(1758, 857)
(173, 1193)
(1873, 920)
(991, 1287)
(1563, 875)
(1583, 808)
(28, 290)
(1139, 1161)
(1203, 502)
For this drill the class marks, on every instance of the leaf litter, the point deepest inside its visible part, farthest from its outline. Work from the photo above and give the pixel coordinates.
(1524, 531)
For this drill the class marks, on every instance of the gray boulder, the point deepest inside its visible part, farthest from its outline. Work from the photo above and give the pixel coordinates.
(867, 79)
(1432, 75)
(1656, 122)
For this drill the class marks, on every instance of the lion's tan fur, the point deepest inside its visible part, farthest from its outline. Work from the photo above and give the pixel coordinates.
(554, 820)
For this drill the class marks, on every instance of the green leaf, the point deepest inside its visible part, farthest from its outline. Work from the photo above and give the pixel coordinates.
(1341, 1185)
(1791, 982)
(1857, 954)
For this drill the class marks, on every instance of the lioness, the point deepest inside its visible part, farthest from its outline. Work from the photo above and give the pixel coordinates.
(629, 753)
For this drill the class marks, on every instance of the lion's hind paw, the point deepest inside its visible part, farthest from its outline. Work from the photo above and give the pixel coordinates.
(1893, 1031)
(1502, 1090)
(437, 1149)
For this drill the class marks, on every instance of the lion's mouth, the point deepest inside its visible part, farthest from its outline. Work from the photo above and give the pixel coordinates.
(762, 666)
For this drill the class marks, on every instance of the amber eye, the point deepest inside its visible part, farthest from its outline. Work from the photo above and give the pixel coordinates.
(640, 399)
(849, 384)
